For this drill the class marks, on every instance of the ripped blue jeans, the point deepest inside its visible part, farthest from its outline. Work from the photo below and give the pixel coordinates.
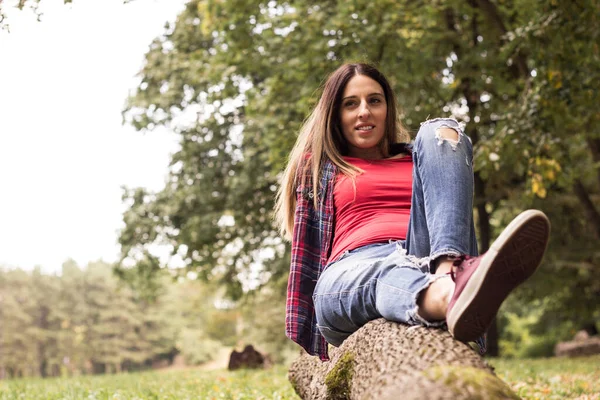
(385, 279)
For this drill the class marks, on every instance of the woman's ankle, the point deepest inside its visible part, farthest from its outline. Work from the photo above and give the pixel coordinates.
(433, 301)
(444, 265)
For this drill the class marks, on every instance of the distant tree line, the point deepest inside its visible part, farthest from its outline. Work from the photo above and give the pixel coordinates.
(85, 321)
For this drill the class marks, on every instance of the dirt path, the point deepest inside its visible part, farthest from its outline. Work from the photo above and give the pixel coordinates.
(220, 361)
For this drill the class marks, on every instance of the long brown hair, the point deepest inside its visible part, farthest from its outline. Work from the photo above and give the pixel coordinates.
(321, 138)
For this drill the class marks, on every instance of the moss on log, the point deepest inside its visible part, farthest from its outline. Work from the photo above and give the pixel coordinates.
(386, 360)
(339, 379)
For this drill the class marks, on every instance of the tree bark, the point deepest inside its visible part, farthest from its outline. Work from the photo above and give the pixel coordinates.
(385, 360)
(585, 200)
(594, 145)
(493, 16)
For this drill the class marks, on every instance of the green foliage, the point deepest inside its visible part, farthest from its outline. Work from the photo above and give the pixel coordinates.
(236, 79)
(19, 333)
(88, 321)
(205, 323)
(82, 321)
(521, 336)
(196, 347)
(250, 71)
(560, 298)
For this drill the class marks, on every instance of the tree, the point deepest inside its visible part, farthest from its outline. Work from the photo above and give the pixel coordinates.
(84, 321)
(18, 348)
(235, 79)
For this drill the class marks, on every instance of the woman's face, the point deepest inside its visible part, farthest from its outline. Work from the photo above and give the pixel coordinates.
(362, 114)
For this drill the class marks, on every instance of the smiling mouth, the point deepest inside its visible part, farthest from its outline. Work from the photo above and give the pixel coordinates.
(365, 128)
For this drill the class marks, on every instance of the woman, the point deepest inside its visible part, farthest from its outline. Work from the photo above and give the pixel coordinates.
(382, 228)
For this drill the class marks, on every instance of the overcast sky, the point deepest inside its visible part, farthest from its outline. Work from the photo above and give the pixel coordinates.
(64, 153)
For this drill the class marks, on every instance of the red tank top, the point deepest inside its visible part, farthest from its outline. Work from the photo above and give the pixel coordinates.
(378, 210)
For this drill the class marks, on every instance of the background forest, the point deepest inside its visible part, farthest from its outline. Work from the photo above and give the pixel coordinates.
(234, 81)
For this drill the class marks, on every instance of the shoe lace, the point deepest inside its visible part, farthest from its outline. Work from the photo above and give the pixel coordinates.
(460, 262)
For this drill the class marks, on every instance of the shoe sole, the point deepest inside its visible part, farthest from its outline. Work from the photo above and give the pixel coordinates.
(511, 260)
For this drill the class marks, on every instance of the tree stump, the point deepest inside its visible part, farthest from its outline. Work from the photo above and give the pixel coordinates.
(582, 345)
(385, 360)
(248, 358)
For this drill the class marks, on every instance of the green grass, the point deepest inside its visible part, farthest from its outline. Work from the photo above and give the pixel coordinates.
(182, 384)
(552, 378)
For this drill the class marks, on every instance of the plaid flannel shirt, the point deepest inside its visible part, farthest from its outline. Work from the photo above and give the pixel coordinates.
(311, 245)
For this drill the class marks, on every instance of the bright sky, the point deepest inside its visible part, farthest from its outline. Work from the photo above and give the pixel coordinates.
(64, 153)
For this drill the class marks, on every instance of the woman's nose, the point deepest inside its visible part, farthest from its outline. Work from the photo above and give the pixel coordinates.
(364, 111)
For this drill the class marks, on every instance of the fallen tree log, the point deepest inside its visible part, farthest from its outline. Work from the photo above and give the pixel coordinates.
(582, 345)
(386, 361)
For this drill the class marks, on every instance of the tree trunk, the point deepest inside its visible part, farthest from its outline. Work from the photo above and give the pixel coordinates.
(385, 360)
(588, 205)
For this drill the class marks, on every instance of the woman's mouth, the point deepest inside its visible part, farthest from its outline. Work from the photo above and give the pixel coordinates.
(365, 128)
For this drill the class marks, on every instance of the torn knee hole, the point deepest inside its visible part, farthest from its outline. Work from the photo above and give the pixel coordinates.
(447, 133)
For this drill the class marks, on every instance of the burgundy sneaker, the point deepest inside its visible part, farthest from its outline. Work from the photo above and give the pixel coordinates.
(484, 282)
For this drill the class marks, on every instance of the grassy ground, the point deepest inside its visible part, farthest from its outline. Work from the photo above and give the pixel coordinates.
(531, 379)
(171, 385)
(552, 378)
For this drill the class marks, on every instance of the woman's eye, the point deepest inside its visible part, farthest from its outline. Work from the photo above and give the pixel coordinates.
(375, 100)
(349, 104)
